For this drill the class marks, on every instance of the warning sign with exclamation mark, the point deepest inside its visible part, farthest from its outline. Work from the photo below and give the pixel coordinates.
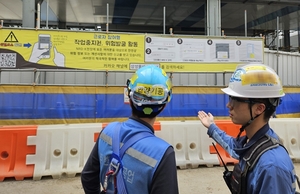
(11, 38)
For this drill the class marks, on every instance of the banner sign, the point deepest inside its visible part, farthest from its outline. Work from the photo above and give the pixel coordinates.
(29, 48)
(182, 50)
(69, 49)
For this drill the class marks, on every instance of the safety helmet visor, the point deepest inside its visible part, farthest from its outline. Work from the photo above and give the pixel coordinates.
(144, 94)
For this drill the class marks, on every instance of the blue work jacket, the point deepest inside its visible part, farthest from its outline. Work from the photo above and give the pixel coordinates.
(273, 173)
(139, 162)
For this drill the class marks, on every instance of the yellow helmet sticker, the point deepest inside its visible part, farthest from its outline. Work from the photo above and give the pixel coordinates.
(256, 78)
(134, 78)
(255, 67)
(281, 92)
(163, 72)
(149, 90)
(169, 84)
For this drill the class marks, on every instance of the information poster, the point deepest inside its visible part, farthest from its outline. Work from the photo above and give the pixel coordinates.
(69, 49)
(195, 50)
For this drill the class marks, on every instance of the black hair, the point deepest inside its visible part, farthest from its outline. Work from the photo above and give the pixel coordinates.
(271, 105)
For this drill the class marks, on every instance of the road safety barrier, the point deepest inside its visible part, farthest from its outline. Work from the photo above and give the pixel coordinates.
(289, 132)
(54, 150)
(13, 151)
(190, 142)
(61, 149)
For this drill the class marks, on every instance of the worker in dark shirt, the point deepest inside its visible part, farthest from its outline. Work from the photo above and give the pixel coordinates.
(128, 157)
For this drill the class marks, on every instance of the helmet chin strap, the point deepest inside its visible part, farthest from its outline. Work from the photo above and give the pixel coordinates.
(249, 122)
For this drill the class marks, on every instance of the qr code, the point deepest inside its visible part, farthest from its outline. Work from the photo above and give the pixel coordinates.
(8, 60)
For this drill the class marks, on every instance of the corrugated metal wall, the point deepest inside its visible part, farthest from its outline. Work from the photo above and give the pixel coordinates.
(286, 64)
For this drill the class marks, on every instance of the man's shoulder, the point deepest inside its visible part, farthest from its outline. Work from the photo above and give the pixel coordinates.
(276, 157)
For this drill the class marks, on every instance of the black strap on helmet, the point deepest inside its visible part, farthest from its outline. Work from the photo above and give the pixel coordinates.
(251, 103)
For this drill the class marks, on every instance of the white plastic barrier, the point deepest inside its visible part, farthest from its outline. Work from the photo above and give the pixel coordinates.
(190, 142)
(198, 145)
(288, 129)
(176, 138)
(193, 139)
(61, 149)
(205, 142)
(64, 149)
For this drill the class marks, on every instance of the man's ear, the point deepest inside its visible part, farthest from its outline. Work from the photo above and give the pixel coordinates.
(260, 108)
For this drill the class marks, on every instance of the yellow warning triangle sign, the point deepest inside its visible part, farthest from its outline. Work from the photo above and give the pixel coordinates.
(11, 38)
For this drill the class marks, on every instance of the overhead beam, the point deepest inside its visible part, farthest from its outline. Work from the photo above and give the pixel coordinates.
(28, 13)
(62, 14)
(266, 2)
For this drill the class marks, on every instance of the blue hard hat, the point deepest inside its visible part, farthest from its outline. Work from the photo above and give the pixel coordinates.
(149, 85)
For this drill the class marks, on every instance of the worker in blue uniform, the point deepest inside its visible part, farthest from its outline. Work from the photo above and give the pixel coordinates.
(254, 93)
(128, 157)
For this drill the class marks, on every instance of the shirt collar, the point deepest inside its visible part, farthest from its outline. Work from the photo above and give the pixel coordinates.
(245, 146)
(260, 133)
(142, 122)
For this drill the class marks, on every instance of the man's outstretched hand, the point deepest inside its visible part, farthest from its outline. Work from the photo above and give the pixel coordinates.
(206, 119)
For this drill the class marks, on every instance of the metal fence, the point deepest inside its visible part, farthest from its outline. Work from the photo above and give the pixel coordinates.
(102, 78)
(286, 64)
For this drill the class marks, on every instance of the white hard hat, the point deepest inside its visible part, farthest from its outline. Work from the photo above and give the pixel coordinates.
(254, 81)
